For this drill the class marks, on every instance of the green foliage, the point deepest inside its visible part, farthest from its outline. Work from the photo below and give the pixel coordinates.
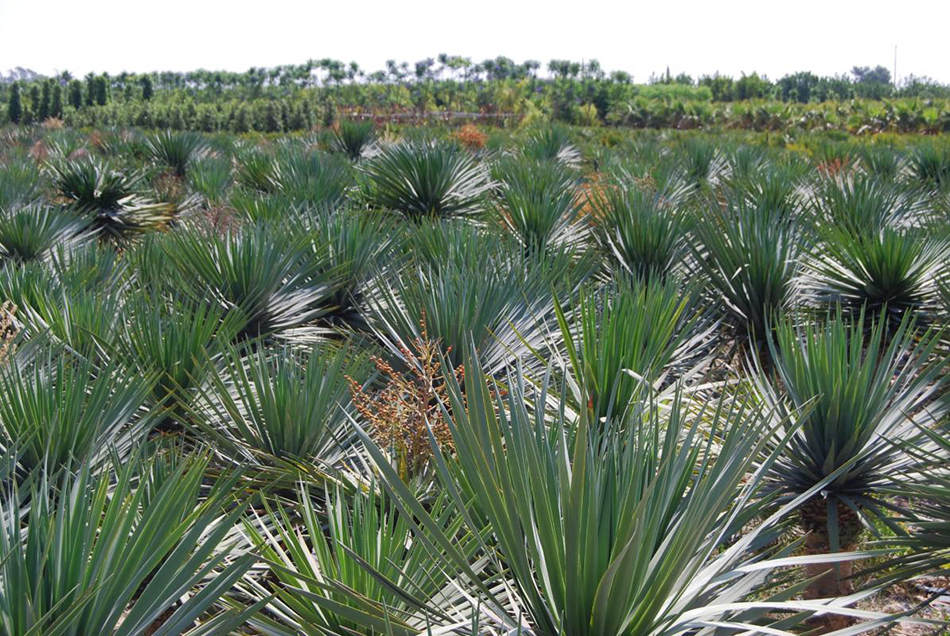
(355, 139)
(110, 554)
(857, 392)
(425, 180)
(113, 201)
(539, 204)
(176, 151)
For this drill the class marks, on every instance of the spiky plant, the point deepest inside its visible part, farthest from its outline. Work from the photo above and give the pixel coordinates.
(141, 549)
(65, 304)
(35, 232)
(626, 338)
(267, 274)
(20, 184)
(58, 409)
(346, 573)
(113, 201)
(890, 272)
(611, 529)
(257, 170)
(427, 180)
(881, 162)
(212, 179)
(355, 139)
(859, 201)
(176, 341)
(359, 246)
(498, 302)
(314, 179)
(703, 160)
(750, 258)
(277, 409)
(551, 143)
(176, 150)
(930, 166)
(639, 230)
(857, 393)
(539, 204)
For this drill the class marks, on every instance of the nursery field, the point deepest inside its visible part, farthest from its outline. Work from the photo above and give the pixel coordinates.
(543, 381)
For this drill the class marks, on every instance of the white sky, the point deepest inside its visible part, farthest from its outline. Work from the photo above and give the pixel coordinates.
(729, 36)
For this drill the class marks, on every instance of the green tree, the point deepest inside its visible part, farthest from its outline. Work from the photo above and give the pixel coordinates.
(101, 90)
(46, 100)
(90, 89)
(15, 106)
(147, 89)
(74, 94)
(56, 107)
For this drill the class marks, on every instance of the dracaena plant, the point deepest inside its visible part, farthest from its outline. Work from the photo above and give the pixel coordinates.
(857, 393)
(500, 301)
(342, 569)
(423, 180)
(628, 337)
(176, 150)
(638, 229)
(275, 278)
(177, 341)
(139, 549)
(539, 204)
(355, 139)
(624, 527)
(889, 273)
(113, 201)
(749, 257)
(56, 410)
(284, 408)
(35, 232)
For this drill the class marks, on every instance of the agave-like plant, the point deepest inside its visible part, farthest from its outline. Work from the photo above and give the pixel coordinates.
(260, 270)
(343, 570)
(57, 409)
(750, 259)
(861, 202)
(359, 246)
(141, 549)
(551, 143)
(113, 201)
(539, 204)
(355, 139)
(857, 393)
(35, 232)
(930, 166)
(704, 161)
(257, 171)
(212, 179)
(639, 230)
(312, 178)
(890, 272)
(427, 180)
(64, 303)
(176, 341)
(278, 409)
(616, 528)
(625, 338)
(176, 150)
(499, 302)
(20, 184)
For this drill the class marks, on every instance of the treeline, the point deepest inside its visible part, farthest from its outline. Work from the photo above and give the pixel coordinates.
(297, 97)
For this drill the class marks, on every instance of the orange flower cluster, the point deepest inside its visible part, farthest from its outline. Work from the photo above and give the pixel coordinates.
(471, 137)
(400, 410)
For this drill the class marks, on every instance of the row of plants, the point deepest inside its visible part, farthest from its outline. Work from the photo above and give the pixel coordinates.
(354, 384)
(304, 113)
